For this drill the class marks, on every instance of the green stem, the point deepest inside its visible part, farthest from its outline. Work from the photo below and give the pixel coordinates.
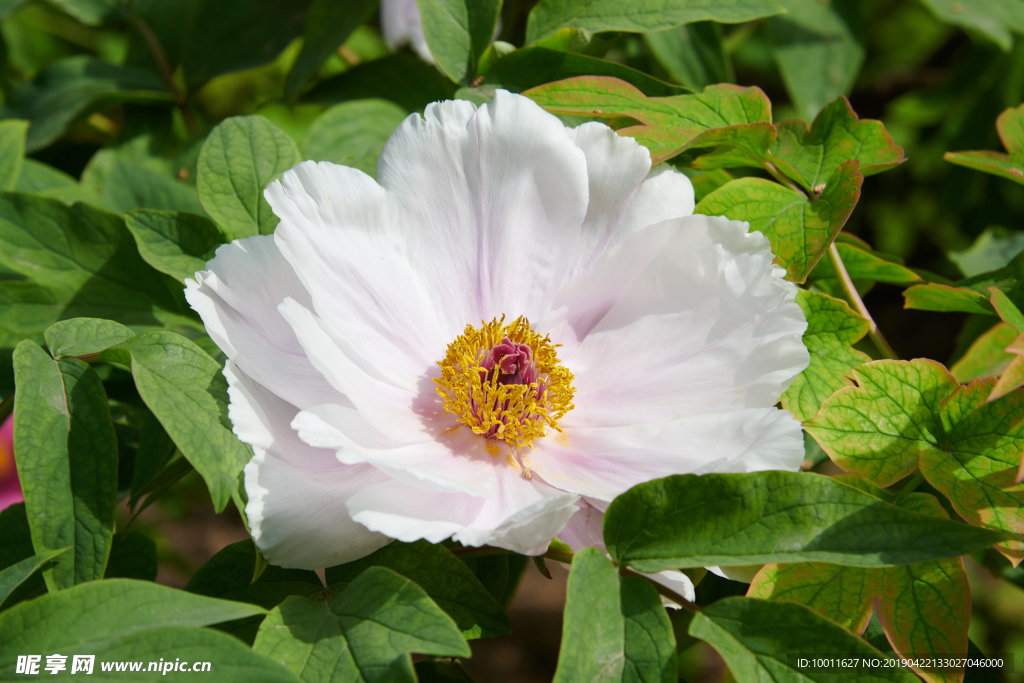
(157, 50)
(782, 177)
(911, 485)
(850, 291)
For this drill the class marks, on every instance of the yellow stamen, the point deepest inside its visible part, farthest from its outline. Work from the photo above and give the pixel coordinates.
(515, 413)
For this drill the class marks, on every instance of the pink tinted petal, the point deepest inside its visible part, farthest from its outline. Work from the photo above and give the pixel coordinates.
(10, 485)
(524, 515)
(625, 194)
(603, 462)
(710, 325)
(497, 197)
(237, 298)
(296, 508)
(348, 241)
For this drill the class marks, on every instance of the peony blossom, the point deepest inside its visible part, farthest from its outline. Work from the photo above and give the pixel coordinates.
(10, 485)
(518, 323)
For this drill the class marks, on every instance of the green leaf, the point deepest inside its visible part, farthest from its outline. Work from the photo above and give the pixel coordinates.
(986, 357)
(155, 449)
(614, 629)
(67, 462)
(84, 336)
(1006, 309)
(862, 263)
(122, 619)
(328, 25)
(726, 115)
(38, 177)
(174, 242)
(241, 156)
(12, 152)
(845, 595)
(132, 556)
(736, 519)
(836, 136)
(878, 428)
(534, 66)
(906, 414)
(448, 582)
(68, 90)
(86, 264)
(1010, 125)
(13, 576)
(991, 250)
(692, 54)
(760, 641)
(640, 16)
(996, 19)
(365, 633)
(832, 330)
(975, 465)
(353, 133)
(401, 78)
(228, 575)
(187, 392)
(128, 185)
(817, 53)
(938, 297)
(457, 33)
(799, 229)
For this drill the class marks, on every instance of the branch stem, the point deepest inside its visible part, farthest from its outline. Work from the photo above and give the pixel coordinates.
(782, 177)
(846, 283)
(157, 50)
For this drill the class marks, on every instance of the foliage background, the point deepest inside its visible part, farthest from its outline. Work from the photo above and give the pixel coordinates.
(123, 124)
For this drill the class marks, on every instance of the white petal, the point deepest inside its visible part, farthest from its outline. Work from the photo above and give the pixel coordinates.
(453, 460)
(603, 462)
(625, 194)
(710, 325)
(347, 240)
(400, 23)
(497, 196)
(676, 581)
(237, 298)
(297, 493)
(523, 517)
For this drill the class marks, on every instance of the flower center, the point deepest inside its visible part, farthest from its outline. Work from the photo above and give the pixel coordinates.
(505, 382)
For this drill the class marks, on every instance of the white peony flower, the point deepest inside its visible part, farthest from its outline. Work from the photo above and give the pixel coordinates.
(519, 323)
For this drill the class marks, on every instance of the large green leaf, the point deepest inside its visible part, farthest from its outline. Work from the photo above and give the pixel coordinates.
(174, 242)
(739, 519)
(991, 250)
(832, 329)
(763, 641)
(986, 357)
(67, 462)
(722, 116)
(924, 608)
(448, 582)
(836, 136)
(12, 152)
(68, 90)
(82, 262)
(817, 52)
(365, 633)
(240, 157)
(534, 66)
(972, 295)
(328, 25)
(15, 575)
(997, 19)
(84, 336)
(353, 133)
(457, 33)
(187, 392)
(615, 629)
(640, 16)
(909, 413)
(122, 619)
(401, 78)
(800, 229)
